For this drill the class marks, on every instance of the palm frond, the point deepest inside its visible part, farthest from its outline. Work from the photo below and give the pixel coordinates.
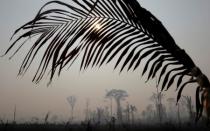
(99, 32)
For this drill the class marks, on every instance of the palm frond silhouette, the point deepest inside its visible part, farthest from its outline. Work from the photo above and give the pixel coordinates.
(101, 31)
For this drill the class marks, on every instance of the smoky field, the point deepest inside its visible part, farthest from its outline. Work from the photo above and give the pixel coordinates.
(161, 113)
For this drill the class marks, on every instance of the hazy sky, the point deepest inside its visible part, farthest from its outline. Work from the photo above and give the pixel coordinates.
(187, 21)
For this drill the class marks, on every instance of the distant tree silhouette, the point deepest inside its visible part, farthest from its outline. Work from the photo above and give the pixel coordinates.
(118, 95)
(87, 111)
(47, 117)
(111, 104)
(100, 112)
(178, 114)
(157, 99)
(160, 108)
(129, 112)
(101, 30)
(14, 115)
(187, 102)
(133, 110)
(72, 101)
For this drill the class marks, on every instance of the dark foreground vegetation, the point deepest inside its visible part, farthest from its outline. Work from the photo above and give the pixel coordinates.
(97, 127)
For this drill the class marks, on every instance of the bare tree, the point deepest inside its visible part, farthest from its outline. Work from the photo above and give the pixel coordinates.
(133, 110)
(111, 104)
(127, 113)
(72, 101)
(160, 109)
(118, 95)
(47, 117)
(130, 111)
(87, 110)
(107, 114)
(100, 113)
(178, 114)
(187, 102)
(92, 116)
(14, 115)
